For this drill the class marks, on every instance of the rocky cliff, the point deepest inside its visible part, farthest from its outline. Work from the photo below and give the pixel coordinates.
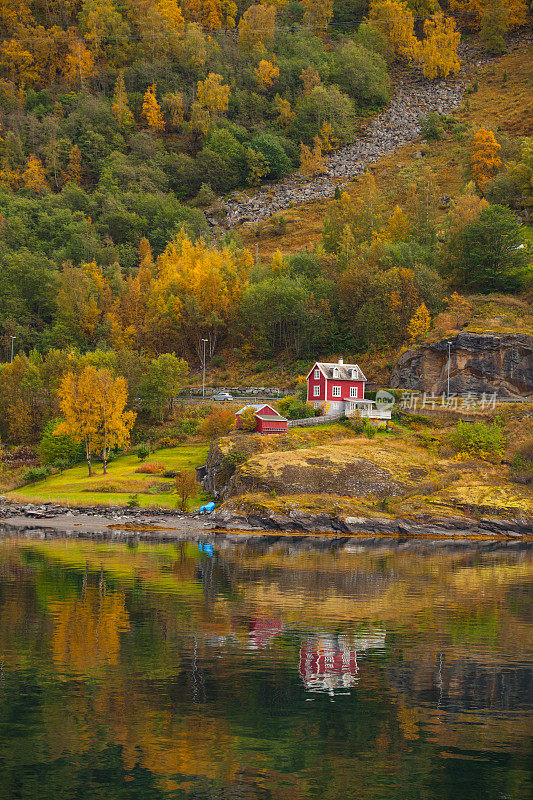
(486, 362)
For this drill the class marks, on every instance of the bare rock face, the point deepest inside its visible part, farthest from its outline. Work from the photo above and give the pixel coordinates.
(486, 362)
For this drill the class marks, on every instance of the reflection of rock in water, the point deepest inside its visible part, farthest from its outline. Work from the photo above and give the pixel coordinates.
(328, 662)
(466, 686)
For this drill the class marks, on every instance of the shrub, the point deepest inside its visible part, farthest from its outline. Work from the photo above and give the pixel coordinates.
(369, 430)
(278, 161)
(36, 474)
(431, 127)
(172, 441)
(478, 438)
(63, 448)
(218, 423)
(292, 408)
(186, 485)
(132, 501)
(151, 468)
(143, 451)
(248, 419)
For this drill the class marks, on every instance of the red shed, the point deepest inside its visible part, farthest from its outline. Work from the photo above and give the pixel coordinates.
(259, 408)
(271, 423)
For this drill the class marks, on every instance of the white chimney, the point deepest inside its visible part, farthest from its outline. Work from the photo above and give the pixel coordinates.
(341, 360)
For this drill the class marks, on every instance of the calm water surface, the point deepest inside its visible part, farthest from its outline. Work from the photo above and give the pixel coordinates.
(277, 672)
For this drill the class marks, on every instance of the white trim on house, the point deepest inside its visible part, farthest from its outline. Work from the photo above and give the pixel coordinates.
(316, 391)
(335, 391)
(354, 392)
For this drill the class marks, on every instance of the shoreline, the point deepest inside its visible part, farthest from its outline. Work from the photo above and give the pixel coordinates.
(161, 525)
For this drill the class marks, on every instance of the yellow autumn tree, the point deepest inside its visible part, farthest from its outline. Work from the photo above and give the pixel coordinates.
(119, 104)
(420, 322)
(395, 22)
(256, 26)
(437, 53)
(152, 110)
(174, 101)
(93, 405)
(310, 78)
(197, 290)
(326, 137)
(74, 168)
(266, 73)
(285, 113)
(459, 307)
(397, 228)
(311, 161)
(213, 95)
(484, 158)
(79, 64)
(317, 14)
(34, 176)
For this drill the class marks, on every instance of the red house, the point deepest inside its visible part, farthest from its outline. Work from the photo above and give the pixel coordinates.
(335, 387)
(268, 420)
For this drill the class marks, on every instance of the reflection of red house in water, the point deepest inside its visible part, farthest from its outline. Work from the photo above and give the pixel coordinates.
(329, 662)
(262, 630)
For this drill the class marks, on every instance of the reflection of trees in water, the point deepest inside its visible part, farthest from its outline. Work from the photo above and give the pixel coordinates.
(177, 689)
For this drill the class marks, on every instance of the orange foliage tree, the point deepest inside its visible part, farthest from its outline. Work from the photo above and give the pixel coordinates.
(484, 158)
(152, 110)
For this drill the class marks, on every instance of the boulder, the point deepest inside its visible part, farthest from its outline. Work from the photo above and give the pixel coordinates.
(485, 362)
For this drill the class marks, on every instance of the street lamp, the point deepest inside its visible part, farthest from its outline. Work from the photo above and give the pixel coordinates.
(203, 372)
(12, 341)
(449, 359)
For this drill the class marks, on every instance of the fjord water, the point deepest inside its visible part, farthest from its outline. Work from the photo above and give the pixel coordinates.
(264, 672)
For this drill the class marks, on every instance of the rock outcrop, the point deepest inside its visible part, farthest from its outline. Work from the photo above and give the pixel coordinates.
(486, 362)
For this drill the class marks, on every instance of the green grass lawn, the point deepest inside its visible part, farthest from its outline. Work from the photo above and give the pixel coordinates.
(75, 487)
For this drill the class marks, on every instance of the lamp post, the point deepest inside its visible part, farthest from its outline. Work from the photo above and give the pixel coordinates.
(203, 371)
(12, 342)
(449, 359)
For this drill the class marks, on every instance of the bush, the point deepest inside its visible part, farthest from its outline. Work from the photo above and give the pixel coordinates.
(36, 474)
(478, 438)
(151, 468)
(431, 127)
(172, 441)
(219, 423)
(292, 408)
(63, 448)
(143, 451)
(132, 501)
(271, 148)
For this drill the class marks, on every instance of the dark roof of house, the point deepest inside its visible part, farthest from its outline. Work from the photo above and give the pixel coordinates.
(344, 371)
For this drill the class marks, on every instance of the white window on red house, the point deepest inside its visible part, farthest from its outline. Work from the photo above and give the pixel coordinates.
(353, 391)
(336, 391)
(316, 391)
(317, 374)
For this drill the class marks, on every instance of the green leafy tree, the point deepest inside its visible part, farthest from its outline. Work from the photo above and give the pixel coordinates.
(163, 381)
(490, 255)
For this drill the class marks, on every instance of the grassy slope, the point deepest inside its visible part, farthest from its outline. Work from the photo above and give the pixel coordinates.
(74, 487)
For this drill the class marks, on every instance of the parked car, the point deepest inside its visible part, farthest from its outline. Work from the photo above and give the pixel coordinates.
(223, 397)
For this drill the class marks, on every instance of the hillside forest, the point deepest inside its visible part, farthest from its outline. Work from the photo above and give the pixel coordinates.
(121, 122)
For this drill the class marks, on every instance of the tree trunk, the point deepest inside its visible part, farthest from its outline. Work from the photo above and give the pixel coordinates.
(88, 457)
